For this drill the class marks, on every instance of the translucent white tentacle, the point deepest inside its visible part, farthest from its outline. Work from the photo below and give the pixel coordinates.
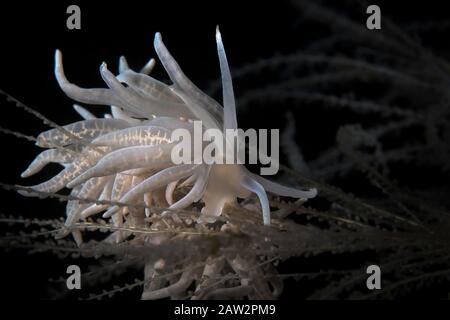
(86, 114)
(91, 189)
(229, 105)
(84, 130)
(144, 106)
(195, 193)
(128, 158)
(150, 87)
(284, 191)
(147, 69)
(61, 179)
(200, 104)
(89, 96)
(46, 157)
(141, 135)
(154, 182)
(123, 64)
(258, 189)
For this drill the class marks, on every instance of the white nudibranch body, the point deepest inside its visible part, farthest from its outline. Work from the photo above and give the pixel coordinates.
(126, 156)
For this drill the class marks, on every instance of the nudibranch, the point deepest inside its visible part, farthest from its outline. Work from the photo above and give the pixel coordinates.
(126, 156)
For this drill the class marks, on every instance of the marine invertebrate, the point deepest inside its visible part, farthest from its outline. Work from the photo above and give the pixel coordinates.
(385, 111)
(124, 161)
(126, 156)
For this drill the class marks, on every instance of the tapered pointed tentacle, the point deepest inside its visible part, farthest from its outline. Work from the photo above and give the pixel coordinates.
(107, 189)
(48, 156)
(196, 191)
(128, 99)
(91, 189)
(86, 114)
(149, 86)
(147, 69)
(128, 158)
(141, 135)
(284, 191)
(144, 106)
(201, 105)
(133, 209)
(123, 64)
(255, 187)
(229, 105)
(154, 182)
(77, 237)
(122, 184)
(86, 130)
(71, 204)
(93, 209)
(61, 179)
(89, 96)
(106, 194)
